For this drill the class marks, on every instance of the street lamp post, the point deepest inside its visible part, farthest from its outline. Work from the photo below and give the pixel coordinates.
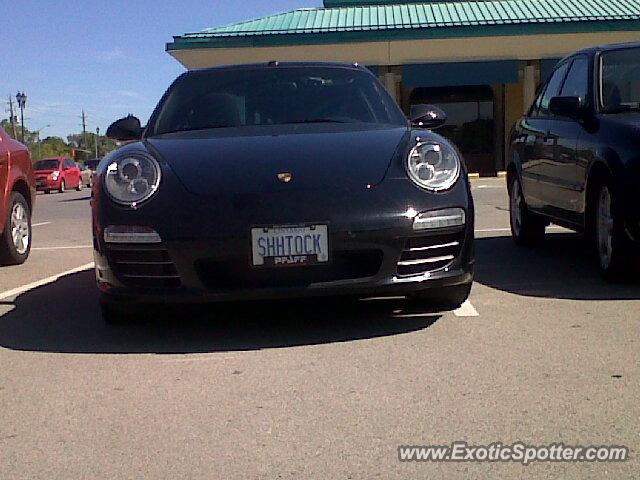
(22, 101)
(97, 138)
(38, 133)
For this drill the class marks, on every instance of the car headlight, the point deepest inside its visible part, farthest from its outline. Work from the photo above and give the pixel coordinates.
(55, 175)
(434, 166)
(133, 178)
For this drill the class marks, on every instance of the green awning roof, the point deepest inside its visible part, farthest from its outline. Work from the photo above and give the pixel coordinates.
(419, 20)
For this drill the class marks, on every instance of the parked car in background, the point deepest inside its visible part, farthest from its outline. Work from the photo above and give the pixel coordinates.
(58, 173)
(17, 198)
(323, 189)
(86, 175)
(575, 156)
(93, 164)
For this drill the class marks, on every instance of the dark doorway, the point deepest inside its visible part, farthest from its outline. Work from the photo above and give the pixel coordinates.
(470, 123)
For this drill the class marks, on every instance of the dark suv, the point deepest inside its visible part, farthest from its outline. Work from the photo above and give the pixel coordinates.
(575, 156)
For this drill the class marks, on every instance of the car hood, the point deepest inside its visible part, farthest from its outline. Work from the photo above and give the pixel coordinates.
(249, 159)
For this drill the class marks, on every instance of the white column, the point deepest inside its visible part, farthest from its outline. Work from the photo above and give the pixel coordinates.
(390, 83)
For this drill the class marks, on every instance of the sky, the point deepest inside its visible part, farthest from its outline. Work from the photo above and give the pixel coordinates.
(106, 57)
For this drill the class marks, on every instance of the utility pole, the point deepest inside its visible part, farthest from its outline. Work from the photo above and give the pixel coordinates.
(12, 118)
(84, 134)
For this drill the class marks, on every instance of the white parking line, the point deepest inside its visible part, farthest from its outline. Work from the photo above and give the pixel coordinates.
(554, 228)
(489, 230)
(466, 310)
(44, 281)
(40, 224)
(72, 247)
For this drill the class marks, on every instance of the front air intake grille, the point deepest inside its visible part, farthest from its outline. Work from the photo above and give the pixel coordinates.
(143, 266)
(236, 274)
(427, 254)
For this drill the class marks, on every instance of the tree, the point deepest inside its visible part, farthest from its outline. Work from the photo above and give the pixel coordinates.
(105, 145)
(52, 147)
(56, 146)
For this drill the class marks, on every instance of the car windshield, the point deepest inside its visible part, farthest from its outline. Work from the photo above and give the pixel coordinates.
(620, 80)
(274, 96)
(50, 164)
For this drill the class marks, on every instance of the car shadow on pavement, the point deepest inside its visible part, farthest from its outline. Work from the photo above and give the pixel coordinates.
(79, 199)
(562, 267)
(41, 321)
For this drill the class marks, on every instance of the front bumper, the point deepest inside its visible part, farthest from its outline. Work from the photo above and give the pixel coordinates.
(44, 184)
(205, 254)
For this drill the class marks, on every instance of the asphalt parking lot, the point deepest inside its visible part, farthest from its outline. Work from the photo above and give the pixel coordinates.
(544, 352)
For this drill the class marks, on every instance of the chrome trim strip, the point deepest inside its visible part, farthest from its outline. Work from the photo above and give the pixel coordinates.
(444, 245)
(444, 258)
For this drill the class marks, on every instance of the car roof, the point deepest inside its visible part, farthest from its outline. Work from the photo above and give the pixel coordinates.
(603, 48)
(274, 64)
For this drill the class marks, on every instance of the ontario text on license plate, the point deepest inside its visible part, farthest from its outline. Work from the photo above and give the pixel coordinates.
(290, 245)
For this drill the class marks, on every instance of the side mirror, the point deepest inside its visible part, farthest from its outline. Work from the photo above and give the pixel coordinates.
(127, 128)
(427, 116)
(570, 107)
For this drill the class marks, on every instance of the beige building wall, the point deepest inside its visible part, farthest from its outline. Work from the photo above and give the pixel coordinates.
(517, 47)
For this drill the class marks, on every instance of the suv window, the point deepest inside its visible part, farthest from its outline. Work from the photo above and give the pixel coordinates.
(577, 79)
(533, 110)
(552, 89)
(68, 163)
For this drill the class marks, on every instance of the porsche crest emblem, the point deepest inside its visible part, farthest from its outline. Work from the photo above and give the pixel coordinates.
(285, 177)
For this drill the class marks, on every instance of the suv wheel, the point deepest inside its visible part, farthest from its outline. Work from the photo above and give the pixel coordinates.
(63, 186)
(526, 228)
(612, 244)
(15, 241)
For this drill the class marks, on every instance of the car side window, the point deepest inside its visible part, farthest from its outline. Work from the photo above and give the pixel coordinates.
(576, 84)
(553, 89)
(533, 110)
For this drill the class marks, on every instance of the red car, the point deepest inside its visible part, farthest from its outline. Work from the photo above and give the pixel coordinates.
(58, 173)
(17, 196)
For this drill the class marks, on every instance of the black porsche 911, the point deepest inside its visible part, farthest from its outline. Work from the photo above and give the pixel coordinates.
(281, 180)
(575, 157)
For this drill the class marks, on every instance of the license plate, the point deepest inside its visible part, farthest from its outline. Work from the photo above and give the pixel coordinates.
(286, 246)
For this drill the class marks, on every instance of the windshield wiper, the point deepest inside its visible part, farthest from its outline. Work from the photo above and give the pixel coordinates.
(324, 120)
(194, 129)
(316, 120)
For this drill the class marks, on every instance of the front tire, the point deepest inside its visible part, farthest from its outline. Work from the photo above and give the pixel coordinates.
(445, 298)
(15, 242)
(613, 248)
(63, 186)
(527, 229)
